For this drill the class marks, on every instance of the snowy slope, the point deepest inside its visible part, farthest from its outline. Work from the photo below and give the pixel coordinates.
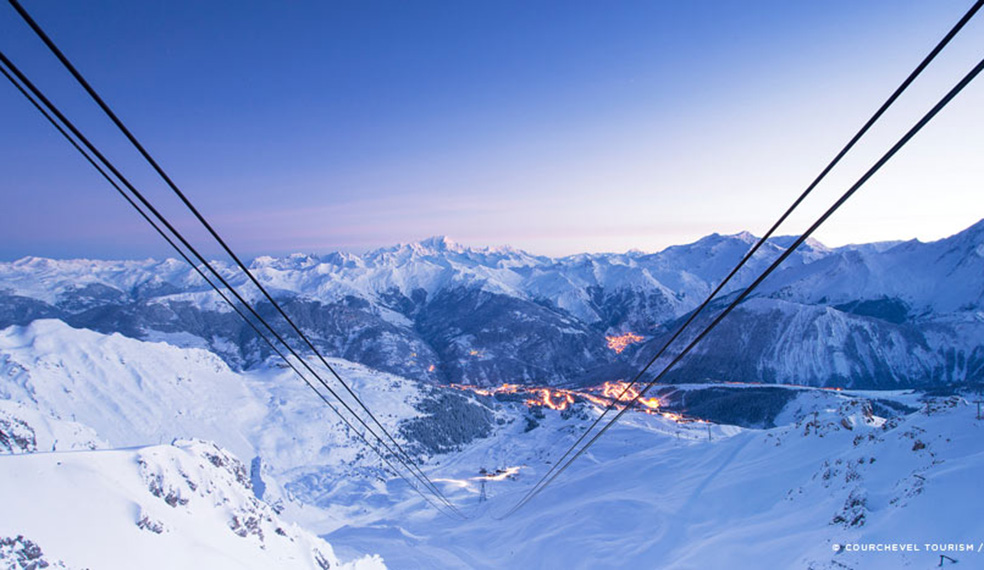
(25, 429)
(187, 505)
(130, 392)
(135, 393)
(66, 390)
(660, 495)
(652, 493)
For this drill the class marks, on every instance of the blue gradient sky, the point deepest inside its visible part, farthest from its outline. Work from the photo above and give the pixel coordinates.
(557, 127)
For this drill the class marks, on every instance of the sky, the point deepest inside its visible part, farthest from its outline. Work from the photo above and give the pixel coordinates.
(555, 127)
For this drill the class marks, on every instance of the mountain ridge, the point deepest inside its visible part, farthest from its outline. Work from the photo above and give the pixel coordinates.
(445, 313)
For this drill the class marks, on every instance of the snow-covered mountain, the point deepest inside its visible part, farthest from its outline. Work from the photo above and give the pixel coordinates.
(88, 477)
(85, 421)
(185, 505)
(137, 393)
(877, 315)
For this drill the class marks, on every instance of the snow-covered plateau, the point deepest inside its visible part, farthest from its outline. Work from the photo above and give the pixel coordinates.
(140, 426)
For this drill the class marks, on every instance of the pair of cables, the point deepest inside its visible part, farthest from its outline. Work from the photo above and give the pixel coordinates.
(565, 461)
(386, 446)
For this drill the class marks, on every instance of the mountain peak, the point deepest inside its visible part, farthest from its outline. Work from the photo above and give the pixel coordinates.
(440, 243)
(715, 239)
(435, 245)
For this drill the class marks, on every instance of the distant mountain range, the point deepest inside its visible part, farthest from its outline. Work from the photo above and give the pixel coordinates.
(887, 315)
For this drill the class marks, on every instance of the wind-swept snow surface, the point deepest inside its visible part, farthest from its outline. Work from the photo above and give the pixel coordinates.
(187, 505)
